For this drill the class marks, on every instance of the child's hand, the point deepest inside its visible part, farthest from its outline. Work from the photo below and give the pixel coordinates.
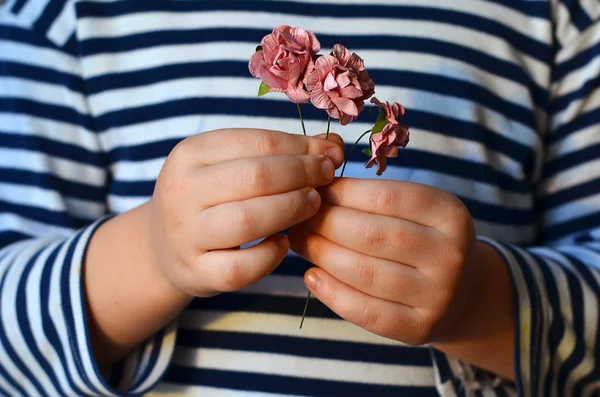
(222, 189)
(394, 258)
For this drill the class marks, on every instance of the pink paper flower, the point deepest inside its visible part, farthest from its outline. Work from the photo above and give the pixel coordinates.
(340, 84)
(284, 61)
(385, 144)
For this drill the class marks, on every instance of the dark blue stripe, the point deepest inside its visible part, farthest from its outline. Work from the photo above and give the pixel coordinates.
(48, 181)
(573, 159)
(579, 17)
(51, 11)
(578, 225)
(72, 45)
(538, 9)
(566, 196)
(586, 90)
(43, 145)
(14, 357)
(245, 381)
(484, 61)
(257, 303)
(536, 322)
(589, 279)
(576, 327)
(18, 6)
(9, 237)
(579, 61)
(70, 316)
(41, 74)
(22, 35)
(11, 353)
(499, 214)
(147, 151)
(45, 110)
(591, 118)
(25, 326)
(305, 347)
(152, 360)
(45, 216)
(533, 48)
(47, 321)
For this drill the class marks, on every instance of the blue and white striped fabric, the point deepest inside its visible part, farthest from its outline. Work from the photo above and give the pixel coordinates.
(503, 101)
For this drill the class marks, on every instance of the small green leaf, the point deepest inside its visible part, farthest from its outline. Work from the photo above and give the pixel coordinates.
(367, 152)
(380, 123)
(259, 48)
(263, 89)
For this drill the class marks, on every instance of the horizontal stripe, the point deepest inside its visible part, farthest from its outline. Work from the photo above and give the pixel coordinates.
(46, 110)
(303, 347)
(529, 46)
(303, 367)
(287, 385)
(41, 74)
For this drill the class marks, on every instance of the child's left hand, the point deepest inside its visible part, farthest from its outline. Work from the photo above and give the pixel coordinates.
(395, 258)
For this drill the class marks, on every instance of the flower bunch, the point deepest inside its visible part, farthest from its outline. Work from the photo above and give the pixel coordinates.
(288, 61)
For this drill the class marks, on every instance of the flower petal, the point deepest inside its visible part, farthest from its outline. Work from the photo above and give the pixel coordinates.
(345, 105)
(318, 97)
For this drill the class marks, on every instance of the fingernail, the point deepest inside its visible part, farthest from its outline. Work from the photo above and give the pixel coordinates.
(336, 155)
(312, 281)
(314, 197)
(327, 168)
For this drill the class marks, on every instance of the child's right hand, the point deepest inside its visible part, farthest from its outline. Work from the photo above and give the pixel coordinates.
(222, 189)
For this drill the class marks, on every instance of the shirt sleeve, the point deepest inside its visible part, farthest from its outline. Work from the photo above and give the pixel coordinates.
(53, 180)
(557, 282)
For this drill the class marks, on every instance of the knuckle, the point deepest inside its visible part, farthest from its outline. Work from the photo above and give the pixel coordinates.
(366, 275)
(232, 277)
(242, 219)
(267, 144)
(370, 319)
(258, 176)
(383, 197)
(423, 332)
(183, 152)
(371, 235)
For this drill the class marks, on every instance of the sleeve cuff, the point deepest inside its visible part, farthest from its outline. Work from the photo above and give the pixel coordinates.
(141, 370)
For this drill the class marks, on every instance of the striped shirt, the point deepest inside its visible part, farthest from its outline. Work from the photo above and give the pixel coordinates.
(503, 101)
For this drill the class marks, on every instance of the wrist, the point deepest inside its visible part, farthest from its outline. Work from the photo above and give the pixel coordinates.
(483, 334)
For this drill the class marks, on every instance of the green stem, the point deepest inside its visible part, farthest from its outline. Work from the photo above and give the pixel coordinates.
(351, 150)
(305, 307)
(328, 127)
(301, 119)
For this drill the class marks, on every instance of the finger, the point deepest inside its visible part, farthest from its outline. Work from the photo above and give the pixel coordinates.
(382, 317)
(242, 179)
(413, 202)
(228, 144)
(378, 236)
(375, 277)
(236, 223)
(231, 270)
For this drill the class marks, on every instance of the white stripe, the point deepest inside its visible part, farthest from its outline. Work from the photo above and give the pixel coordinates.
(14, 339)
(46, 128)
(167, 346)
(240, 87)
(304, 367)
(57, 314)
(34, 305)
(64, 25)
(45, 93)
(576, 78)
(154, 21)
(16, 223)
(571, 177)
(573, 209)
(578, 108)
(578, 140)
(69, 170)
(50, 200)
(525, 24)
(279, 324)
(580, 41)
(32, 10)
(38, 56)
(166, 389)
(78, 307)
